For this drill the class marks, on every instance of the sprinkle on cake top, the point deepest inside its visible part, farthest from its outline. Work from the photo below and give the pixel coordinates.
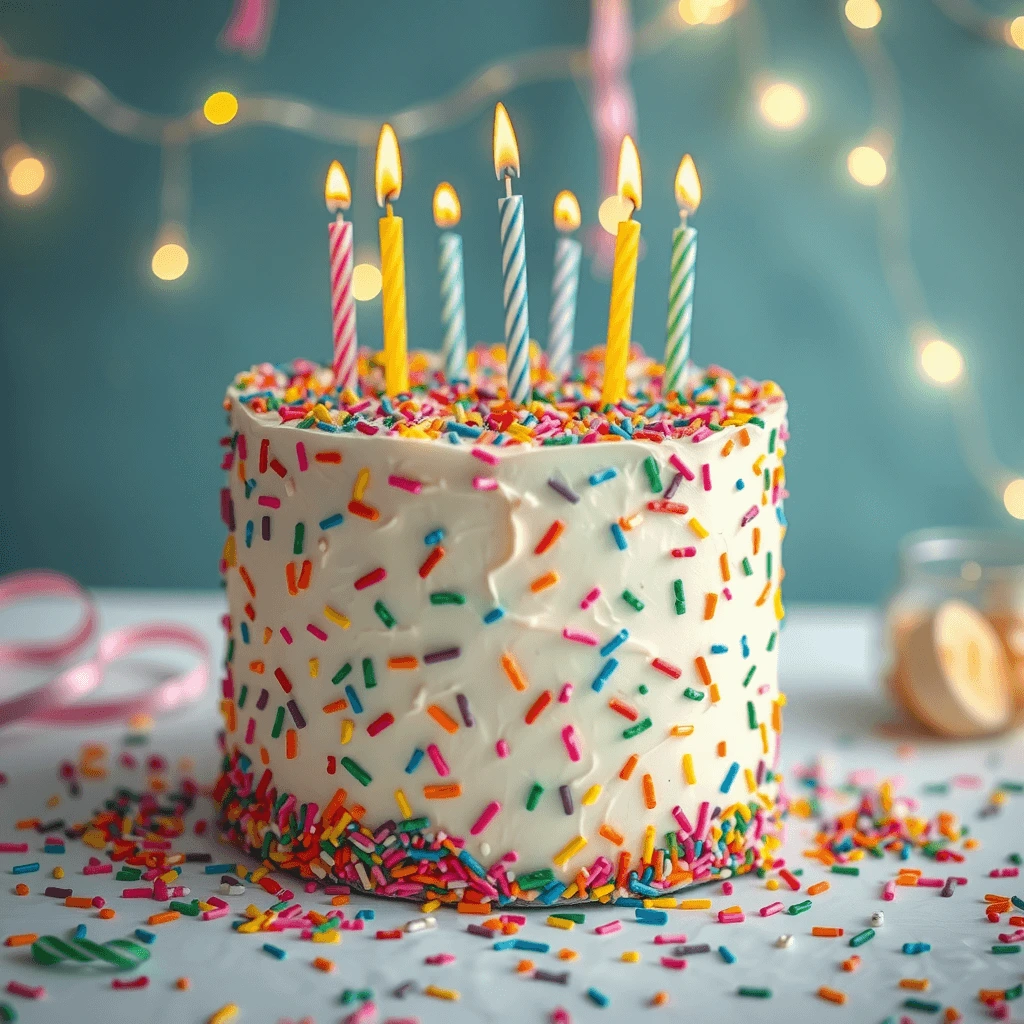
(303, 395)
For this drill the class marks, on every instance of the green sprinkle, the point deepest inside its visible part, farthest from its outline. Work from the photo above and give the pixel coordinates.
(383, 614)
(767, 481)
(633, 601)
(747, 568)
(300, 534)
(534, 798)
(1016, 858)
(677, 587)
(1015, 948)
(578, 918)
(357, 771)
(771, 441)
(843, 869)
(800, 908)
(242, 694)
(1014, 993)
(937, 788)
(1011, 787)
(653, 474)
(191, 909)
(768, 565)
(536, 879)
(129, 874)
(757, 421)
(278, 722)
(754, 993)
(861, 937)
(342, 673)
(634, 730)
(751, 714)
(412, 825)
(642, 688)
(922, 1004)
(691, 694)
(447, 597)
(369, 675)
(750, 675)
(8, 1014)
(771, 642)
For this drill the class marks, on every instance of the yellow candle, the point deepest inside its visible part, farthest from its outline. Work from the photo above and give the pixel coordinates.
(627, 251)
(388, 181)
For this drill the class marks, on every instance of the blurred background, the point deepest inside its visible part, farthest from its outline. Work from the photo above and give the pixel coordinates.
(860, 237)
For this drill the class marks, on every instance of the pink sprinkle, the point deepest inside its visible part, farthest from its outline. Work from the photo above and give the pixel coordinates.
(580, 636)
(250, 730)
(994, 873)
(932, 883)
(366, 1014)
(405, 484)
(700, 435)
(485, 456)
(687, 552)
(216, 901)
(286, 634)
(590, 598)
(16, 988)
(485, 483)
(243, 452)
(607, 929)
(673, 963)
(300, 454)
(268, 501)
(565, 693)
(138, 893)
(519, 919)
(682, 820)
(501, 747)
(889, 891)
(560, 1016)
(967, 781)
(97, 869)
(705, 473)
(571, 743)
(380, 724)
(316, 631)
(681, 466)
(365, 428)
(439, 959)
(669, 940)
(485, 819)
(437, 757)
(212, 915)
(13, 847)
(724, 917)
(702, 820)
(727, 593)
(727, 888)
(750, 514)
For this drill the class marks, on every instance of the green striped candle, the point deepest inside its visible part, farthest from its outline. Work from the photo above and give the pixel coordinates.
(681, 279)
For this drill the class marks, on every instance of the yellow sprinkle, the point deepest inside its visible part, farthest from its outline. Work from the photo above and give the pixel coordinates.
(590, 796)
(662, 903)
(764, 737)
(603, 890)
(697, 527)
(561, 922)
(335, 616)
(681, 730)
(630, 956)
(403, 804)
(714, 693)
(347, 728)
(688, 772)
(362, 481)
(314, 668)
(649, 835)
(227, 1012)
(772, 883)
(329, 936)
(430, 905)
(441, 993)
(695, 904)
(780, 612)
(58, 872)
(569, 851)
(751, 781)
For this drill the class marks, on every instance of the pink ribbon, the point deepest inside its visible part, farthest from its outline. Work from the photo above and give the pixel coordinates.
(59, 700)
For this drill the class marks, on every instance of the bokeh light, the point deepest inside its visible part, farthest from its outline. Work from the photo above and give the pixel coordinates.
(220, 108)
(783, 106)
(1015, 31)
(612, 211)
(863, 13)
(365, 281)
(170, 261)
(1013, 498)
(941, 363)
(694, 12)
(26, 176)
(867, 166)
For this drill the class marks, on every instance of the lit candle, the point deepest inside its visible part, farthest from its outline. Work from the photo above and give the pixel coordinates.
(388, 181)
(564, 285)
(681, 279)
(513, 261)
(345, 362)
(627, 250)
(447, 213)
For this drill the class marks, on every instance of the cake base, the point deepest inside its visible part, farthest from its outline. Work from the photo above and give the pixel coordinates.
(415, 861)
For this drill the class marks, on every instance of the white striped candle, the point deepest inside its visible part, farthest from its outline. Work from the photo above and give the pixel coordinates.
(682, 272)
(447, 212)
(564, 287)
(345, 361)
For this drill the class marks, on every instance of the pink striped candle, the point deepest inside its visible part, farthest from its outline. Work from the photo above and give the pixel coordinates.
(345, 363)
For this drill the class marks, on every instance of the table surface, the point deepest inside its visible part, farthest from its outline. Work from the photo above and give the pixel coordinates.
(837, 716)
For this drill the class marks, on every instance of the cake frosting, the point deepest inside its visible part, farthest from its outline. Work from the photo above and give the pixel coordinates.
(484, 653)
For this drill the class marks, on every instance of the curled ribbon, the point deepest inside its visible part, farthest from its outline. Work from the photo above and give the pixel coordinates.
(59, 700)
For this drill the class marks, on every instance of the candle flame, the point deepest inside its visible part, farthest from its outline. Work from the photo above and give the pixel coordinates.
(630, 185)
(688, 190)
(567, 212)
(506, 149)
(447, 208)
(337, 190)
(387, 175)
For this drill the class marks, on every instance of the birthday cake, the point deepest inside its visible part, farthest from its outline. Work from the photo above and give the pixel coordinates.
(488, 653)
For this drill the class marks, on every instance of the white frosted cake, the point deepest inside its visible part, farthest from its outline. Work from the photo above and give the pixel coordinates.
(489, 654)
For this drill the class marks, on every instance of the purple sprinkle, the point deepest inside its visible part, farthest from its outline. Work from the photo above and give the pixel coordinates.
(300, 722)
(265, 527)
(760, 771)
(561, 978)
(261, 701)
(61, 894)
(564, 490)
(701, 947)
(673, 486)
(479, 929)
(446, 655)
(404, 989)
(467, 715)
(566, 794)
(947, 889)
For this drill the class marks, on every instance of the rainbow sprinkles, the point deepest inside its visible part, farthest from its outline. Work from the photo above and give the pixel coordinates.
(483, 652)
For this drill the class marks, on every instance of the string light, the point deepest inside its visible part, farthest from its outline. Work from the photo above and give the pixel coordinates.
(783, 106)
(1013, 498)
(366, 281)
(220, 108)
(864, 14)
(1015, 34)
(25, 171)
(940, 362)
(612, 211)
(867, 166)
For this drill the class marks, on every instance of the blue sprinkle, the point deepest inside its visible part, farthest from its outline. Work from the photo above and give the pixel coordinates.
(530, 946)
(648, 873)
(616, 429)
(493, 615)
(140, 933)
(453, 438)
(719, 649)
(780, 515)
(727, 955)
(464, 429)
(336, 520)
(745, 646)
(505, 944)
(275, 951)
(602, 475)
(740, 485)
(329, 428)
(244, 629)
(414, 761)
(25, 869)
(615, 643)
(628, 901)
(353, 699)
(551, 892)
(620, 537)
(474, 865)
(434, 537)
(916, 947)
(597, 997)
(602, 677)
(646, 916)
(385, 404)
(220, 869)
(366, 915)
(249, 526)
(643, 889)
(730, 777)
(80, 932)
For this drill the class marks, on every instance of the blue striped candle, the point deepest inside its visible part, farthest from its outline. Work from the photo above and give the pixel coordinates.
(447, 213)
(564, 286)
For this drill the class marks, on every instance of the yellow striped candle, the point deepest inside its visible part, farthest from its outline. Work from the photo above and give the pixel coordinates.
(627, 252)
(388, 181)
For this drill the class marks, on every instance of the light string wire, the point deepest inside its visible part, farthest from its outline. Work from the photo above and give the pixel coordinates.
(970, 17)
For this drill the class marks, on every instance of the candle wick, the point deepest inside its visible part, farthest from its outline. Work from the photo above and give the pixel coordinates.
(390, 212)
(508, 186)
(339, 217)
(684, 215)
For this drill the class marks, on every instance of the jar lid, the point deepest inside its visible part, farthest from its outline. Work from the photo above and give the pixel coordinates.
(956, 677)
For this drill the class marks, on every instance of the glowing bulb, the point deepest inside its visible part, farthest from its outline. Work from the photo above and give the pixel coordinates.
(863, 13)
(783, 106)
(1015, 32)
(170, 261)
(365, 281)
(941, 363)
(613, 210)
(220, 108)
(26, 176)
(1013, 498)
(867, 166)
(694, 12)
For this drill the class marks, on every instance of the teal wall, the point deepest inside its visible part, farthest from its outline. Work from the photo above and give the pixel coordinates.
(109, 425)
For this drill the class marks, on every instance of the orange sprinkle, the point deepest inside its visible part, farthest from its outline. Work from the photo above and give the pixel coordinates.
(649, 798)
(764, 595)
(702, 669)
(304, 576)
(721, 748)
(247, 580)
(723, 562)
(524, 966)
(21, 940)
(291, 744)
(331, 457)
(339, 901)
(833, 995)
(710, 603)
(321, 963)
(258, 667)
(813, 890)
(513, 671)
(917, 984)
(335, 705)
(164, 918)
(613, 835)
(21, 889)
(403, 662)
(852, 963)
(553, 533)
(473, 908)
(443, 792)
(183, 984)
(659, 999)
(714, 694)
(357, 508)
(567, 954)
(727, 448)
(443, 719)
(951, 1014)
(107, 913)
(549, 579)
(78, 902)
(627, 768)
(826, 933)
(289, 575)
(757, 539)
(538, 706)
